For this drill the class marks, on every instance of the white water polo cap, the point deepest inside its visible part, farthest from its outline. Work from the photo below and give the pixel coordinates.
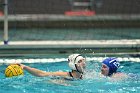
(73, 60)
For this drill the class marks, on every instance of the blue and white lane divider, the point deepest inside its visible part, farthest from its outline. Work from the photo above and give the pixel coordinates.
(53, 60)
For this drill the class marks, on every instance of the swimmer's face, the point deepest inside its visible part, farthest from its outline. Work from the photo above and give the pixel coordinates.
(81, 65)
(104, 70)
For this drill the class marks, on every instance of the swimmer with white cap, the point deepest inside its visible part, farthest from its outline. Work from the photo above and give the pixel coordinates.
(110, 66)
(76, 63)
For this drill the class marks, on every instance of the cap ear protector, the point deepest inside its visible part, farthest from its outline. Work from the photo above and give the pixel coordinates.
(113, 64)
(72, 66)
(73, 60)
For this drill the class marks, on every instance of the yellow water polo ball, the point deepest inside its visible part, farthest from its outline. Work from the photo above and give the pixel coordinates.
(13, 70)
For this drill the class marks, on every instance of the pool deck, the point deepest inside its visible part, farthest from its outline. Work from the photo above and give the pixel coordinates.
(71, 46)
(53, 20)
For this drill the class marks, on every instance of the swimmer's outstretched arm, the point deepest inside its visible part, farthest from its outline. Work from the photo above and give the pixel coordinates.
(40, 73)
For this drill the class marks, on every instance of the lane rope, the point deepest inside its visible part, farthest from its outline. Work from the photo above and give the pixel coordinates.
(53, 60)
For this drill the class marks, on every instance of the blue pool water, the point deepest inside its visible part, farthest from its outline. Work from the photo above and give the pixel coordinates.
(91, 83)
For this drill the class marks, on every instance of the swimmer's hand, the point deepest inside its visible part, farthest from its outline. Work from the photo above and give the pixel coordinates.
(21, 65)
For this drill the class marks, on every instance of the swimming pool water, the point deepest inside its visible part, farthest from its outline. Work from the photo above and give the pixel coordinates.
(91, 83)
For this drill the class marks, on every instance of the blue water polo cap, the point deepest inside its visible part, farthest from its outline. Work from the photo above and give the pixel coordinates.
(112, 63)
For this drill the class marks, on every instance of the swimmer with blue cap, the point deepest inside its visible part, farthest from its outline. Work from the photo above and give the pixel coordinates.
(110, 66)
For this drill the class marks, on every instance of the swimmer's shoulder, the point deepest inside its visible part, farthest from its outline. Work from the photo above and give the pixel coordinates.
(68, 77)
(120, 75)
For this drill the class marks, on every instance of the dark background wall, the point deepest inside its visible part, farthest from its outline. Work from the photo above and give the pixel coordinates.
(1, 6)
(38, 6)
(60, 6)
